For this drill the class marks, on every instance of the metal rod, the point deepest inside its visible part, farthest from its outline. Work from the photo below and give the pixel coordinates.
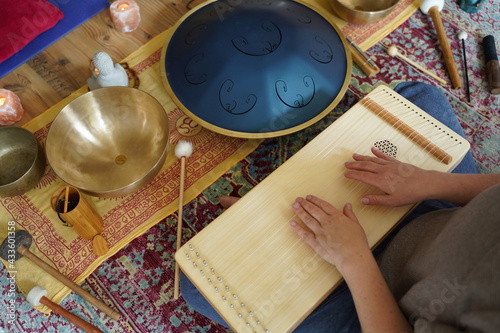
(466, 72)
(363, 54)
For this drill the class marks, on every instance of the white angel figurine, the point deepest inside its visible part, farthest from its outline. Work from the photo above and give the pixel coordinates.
(107, 74)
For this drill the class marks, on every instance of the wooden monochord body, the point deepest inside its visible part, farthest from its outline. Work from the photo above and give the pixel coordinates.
(250, 265)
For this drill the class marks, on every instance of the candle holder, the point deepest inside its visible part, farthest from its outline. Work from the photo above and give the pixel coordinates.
(11, 110)
(125, 14)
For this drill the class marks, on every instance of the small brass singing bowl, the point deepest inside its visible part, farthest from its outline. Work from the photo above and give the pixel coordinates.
(363, 11)
(22, 161)
(109, 142)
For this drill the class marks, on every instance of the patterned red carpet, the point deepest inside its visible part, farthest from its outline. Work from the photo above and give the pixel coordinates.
(138, 280)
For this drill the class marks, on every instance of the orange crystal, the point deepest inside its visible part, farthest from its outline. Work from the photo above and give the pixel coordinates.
(125, 15)
(11, 110)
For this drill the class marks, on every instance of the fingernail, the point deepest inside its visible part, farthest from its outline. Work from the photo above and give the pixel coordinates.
(293, 224)
(355, 155)
(309, 197)
(295, 205)
(348, 206)
(365, 201)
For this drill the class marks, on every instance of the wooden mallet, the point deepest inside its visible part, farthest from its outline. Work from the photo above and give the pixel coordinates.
(37, 296)
(22, 241)
(394, 52)
(433, 8)
(183, 150)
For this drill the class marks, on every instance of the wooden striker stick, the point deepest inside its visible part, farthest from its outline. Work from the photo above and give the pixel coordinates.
(66, 198)
(87, 327)
(179, 225)
(394, 52)
(362, 60)
(363, 63)
(68, 283)
(445, 46)
(418, 138)
(183, 150)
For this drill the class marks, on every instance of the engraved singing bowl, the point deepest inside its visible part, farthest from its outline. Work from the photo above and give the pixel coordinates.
(22, 161)
(256, 69)
(109, 142)
(363, 11)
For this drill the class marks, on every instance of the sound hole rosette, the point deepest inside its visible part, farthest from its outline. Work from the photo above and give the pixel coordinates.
(256, 69)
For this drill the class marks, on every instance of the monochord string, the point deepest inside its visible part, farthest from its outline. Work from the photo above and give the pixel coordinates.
(396, 126)
(248, 209)
(407, 130)
(327, 150)
(280, 253)
(434, 131)
(333, 180)
(353, 188)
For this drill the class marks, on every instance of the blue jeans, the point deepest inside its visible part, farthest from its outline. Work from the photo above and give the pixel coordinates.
(337, 312)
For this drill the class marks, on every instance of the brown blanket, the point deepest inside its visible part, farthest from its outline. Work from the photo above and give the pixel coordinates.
(444, 271)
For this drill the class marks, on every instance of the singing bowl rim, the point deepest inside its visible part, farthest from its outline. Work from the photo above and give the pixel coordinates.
(361, 17)
(139, 181)
(258, 135)
(34, 173)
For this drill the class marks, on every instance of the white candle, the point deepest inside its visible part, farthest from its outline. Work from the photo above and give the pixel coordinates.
(11, 110)
(125, 15)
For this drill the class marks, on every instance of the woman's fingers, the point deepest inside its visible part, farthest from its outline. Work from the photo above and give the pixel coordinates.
(325, 206)
(308, 213)
(379, 157)
(380, 154)
(349, 213)
(366, 177)
(363, 166)
(315, 207)
(303, 233)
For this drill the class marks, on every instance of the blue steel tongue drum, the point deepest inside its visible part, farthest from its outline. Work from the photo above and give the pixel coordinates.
(249, 263)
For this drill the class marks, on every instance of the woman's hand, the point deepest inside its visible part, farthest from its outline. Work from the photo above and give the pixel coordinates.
(401, 183)
(336, 236)
(339, 239)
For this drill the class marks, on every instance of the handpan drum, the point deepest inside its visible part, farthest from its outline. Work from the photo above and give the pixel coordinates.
(256, 68)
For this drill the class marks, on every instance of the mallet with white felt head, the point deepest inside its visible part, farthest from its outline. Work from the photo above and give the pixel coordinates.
(37, 296)
(433, 8)
(394, 52)
(183, 150)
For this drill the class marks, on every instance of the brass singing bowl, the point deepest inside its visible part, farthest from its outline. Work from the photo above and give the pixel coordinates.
(22, 161)
(363, 11)
(109, 142)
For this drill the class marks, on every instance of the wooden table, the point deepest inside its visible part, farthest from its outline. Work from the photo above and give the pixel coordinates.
(63, 67)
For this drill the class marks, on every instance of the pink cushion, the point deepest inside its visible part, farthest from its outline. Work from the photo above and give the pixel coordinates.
(23, 20)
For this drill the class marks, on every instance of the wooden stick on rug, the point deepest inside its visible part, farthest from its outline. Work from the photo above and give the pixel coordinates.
(183, 150)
